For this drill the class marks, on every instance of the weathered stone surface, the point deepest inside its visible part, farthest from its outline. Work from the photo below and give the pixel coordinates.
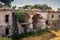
(36, 20)
(4, 24)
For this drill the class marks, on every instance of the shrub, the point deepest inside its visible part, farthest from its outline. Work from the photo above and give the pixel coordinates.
(20, 15)
(28, 34)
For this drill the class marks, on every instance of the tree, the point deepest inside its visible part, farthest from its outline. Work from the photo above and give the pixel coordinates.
(0, 4)
(27, 6)
(35, 6)
(44, 7)
(58, 9)
(6, 2)
(38, 6)
(14, 7)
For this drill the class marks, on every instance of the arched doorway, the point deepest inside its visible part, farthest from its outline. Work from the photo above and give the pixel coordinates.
(25, 23)
(38, 22)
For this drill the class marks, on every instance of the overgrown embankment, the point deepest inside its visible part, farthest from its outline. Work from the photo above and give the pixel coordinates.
(39, 35)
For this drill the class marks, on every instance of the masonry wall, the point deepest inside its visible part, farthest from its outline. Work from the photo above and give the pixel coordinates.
(28, 19)
(55, 17)
(3, 24)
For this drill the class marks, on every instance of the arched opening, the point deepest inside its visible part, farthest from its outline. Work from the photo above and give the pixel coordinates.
(25, 22)
(25, 29)
(35, 20)
(38, 22)
(7, 31)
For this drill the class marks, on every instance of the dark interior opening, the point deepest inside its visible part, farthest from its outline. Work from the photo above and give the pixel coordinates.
(7, 31)
(46, 22)
(35, 19)
(6, 18)
(24, 26)
(21, 21)
(59, 16)
(52, 16)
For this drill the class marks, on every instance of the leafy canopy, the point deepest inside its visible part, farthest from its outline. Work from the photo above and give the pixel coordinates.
(6, 2)
(27, 6)
(58, 9)
(20, 15)
(38, 6)
(44, 7)
(14, 7)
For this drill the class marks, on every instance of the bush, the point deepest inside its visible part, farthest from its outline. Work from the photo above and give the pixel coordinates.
(20, 14)
(28, 34)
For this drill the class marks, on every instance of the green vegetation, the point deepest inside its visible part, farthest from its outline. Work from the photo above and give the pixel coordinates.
(38, 6)
(53, 21)
(45, 7)
(27, 6)
(58, 9)
(14, 7)
(35, 6)
(6, 2)
(20, 15)
(5, 38)
(0, 4)
(26, 34)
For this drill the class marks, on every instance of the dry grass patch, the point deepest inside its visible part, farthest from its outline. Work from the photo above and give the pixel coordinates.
(45, 36)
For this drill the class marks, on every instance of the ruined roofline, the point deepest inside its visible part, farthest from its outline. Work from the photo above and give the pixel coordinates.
(49, 11)
(6, 9)
(9, 9)
(53, 11)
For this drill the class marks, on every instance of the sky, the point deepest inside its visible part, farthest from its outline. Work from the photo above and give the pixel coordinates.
(52, 3)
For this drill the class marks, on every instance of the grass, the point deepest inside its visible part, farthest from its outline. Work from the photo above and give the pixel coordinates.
(26, 34)
(23, 35)
(5, 38)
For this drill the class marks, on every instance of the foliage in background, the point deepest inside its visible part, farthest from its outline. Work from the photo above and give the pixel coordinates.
(13, 7)
(58, 9)
(6, 2)
(35, 6)
(45, 7)
(38, 6)
(27, 6)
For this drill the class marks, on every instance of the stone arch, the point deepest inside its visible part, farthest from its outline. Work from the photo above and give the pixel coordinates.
(38, 22)
(25, 24)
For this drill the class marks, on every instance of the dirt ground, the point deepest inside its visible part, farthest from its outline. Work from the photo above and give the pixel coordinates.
(54, 35)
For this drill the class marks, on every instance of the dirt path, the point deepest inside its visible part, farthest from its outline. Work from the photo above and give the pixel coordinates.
(46, 36)
(56, 38)
(57, 33)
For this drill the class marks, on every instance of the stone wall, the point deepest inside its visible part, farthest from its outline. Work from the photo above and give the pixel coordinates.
(3, 24)
(55, 16)
(32, 22)
(41, 23)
